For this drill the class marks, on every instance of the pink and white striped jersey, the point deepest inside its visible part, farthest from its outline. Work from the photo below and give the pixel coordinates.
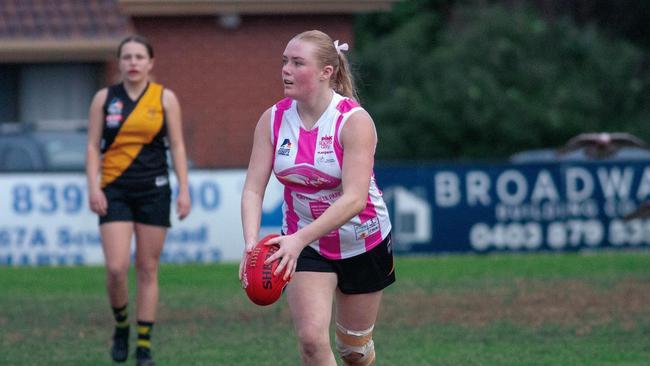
(309, 165)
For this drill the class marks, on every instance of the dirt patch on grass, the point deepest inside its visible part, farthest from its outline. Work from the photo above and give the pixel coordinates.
(527, 302)
(575, 303)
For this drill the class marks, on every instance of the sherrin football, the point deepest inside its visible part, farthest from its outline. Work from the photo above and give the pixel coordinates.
(261, 286)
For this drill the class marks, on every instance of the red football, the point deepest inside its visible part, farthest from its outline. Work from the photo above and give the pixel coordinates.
(261, 286)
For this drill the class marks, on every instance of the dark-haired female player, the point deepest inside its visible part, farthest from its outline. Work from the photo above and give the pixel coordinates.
(130, 127)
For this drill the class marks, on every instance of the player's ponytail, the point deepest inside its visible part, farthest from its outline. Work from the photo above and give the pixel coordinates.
(343, 79)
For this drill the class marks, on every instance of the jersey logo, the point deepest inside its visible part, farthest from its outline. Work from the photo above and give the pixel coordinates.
(151, 112)
(325, 160)
(326, 142)
(161, 180)
(114, 110)
(306, 179)
(366, 229)
(285, 148)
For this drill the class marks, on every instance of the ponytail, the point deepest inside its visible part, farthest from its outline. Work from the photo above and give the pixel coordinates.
(343, 79)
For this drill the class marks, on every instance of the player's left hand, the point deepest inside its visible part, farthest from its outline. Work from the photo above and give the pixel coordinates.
(183, 204)
(290, 248)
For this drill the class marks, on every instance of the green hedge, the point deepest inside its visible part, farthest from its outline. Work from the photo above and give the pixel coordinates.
(494, 81)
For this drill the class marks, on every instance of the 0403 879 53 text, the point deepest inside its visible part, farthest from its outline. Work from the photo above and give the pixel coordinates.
(557, 235)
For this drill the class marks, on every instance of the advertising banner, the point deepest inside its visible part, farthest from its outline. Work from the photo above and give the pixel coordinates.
(45, 220)
(516, 207)
(434, 208)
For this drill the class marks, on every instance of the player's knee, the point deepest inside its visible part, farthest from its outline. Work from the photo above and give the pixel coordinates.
(117, 274)
(312, 342)
(146, 270)
(355, 347)
(311, 348)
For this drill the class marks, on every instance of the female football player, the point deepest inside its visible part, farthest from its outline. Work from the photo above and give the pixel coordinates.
(336, 246)
(130, 127)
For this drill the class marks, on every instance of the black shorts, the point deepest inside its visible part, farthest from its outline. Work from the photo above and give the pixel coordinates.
(148, 205)
(365, 273)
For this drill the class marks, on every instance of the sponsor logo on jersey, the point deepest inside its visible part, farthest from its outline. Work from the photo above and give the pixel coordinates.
(161, 180)
(326, 142)
(116, 106)
(151, 111)
(285, 148)
(325, 160)
(366, 229)
(114, 116)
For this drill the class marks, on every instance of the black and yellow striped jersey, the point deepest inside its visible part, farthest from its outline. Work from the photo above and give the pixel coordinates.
(134, 137)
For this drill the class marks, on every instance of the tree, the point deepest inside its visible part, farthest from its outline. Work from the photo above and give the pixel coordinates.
(496, 81)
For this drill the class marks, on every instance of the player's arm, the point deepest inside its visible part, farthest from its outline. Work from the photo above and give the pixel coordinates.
(257, 177)
(177, 149)
(96, 197)
(359, 139)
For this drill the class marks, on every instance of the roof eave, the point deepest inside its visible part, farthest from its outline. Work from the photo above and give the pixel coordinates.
(212, 7)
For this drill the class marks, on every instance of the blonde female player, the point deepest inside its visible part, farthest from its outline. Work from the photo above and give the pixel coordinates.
(336, 245)
(129, 126)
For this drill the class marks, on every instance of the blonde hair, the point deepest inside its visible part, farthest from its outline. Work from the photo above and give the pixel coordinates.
(327, 54)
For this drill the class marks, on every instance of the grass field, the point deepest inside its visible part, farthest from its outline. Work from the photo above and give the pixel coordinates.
(537, 309)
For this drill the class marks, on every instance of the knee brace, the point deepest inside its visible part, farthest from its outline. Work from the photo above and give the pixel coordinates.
(355, 347)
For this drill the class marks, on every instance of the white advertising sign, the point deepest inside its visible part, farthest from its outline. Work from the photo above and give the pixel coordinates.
(45, 220)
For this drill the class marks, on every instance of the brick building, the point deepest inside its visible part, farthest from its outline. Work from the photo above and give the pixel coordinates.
(222, 58)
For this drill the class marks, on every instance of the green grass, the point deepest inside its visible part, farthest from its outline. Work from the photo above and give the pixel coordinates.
(533, 309)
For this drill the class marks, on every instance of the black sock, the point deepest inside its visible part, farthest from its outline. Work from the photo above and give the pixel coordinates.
(144, 337)
(121, 316)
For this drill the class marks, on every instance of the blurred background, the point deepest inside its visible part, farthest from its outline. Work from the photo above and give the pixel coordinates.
(512, 132)
(472, 100)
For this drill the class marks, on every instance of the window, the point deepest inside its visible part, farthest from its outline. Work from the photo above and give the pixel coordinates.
(19, 159)
(9, 93)
(65, 152)
(46, 92)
